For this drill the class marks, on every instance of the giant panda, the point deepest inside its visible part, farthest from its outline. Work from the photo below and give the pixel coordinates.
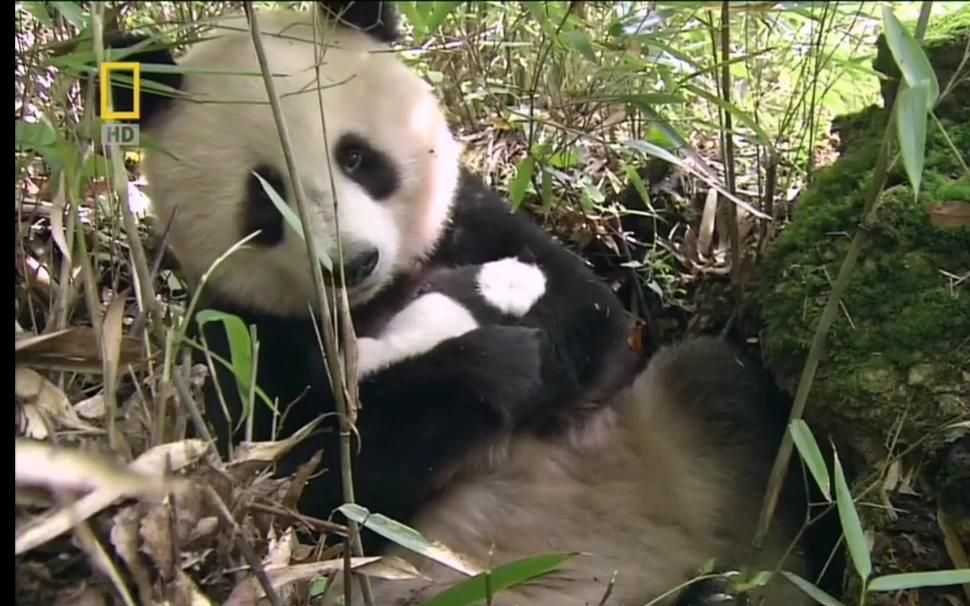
(537, 433)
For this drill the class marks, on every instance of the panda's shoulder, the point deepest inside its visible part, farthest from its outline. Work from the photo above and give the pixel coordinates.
(484, 227)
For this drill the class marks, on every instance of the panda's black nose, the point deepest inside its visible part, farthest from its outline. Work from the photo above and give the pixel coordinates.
(360, 266)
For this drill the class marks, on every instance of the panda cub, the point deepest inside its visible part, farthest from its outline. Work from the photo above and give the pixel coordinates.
(452, 301)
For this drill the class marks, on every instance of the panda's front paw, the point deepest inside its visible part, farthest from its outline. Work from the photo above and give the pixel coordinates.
(503, 366)
(716, 591)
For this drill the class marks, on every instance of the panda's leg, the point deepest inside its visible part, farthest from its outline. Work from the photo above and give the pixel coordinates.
(726, 413)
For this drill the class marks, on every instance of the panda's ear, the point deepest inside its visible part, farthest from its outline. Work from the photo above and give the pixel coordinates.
(377, 18)
(142, 49)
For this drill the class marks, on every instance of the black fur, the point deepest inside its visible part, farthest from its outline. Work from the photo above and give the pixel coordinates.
(376, 18)
(260, 213)
(368, 167)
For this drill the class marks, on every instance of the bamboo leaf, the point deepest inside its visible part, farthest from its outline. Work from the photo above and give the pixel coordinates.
(477, 589)
(519, 185)
(911, 112)
(913, 580)
(811, 590)
(910, 58)
(293, 220)
(855, 538)
(810, 453)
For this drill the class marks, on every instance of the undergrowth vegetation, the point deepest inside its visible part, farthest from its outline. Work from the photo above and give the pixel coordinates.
(669, 143)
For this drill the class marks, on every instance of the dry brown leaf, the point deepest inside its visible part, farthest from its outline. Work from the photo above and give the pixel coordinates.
(41, 464)
(280, 549)
(57, 219)
(950, 215)
(74, 350)
(295, 490)
(188, 593)
(32, 388)
(88, 596)
(249, 592)
(91, 408)
(26, 341)
(156, 528)
(111, 340)
(125, 540)
(705, 232)
(269, 452)
(31, 422)
(44, 528)
(156, 536)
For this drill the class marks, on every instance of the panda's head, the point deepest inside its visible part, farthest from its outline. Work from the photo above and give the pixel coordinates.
(382, 146)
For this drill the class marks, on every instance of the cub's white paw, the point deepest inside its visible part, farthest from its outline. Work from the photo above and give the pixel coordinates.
(511, 285)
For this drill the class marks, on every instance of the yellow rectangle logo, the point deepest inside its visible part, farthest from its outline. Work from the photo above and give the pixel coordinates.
(107, 111)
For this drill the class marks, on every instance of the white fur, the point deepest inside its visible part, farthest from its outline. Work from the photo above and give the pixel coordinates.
(426, 322)
(217, 140)
(511, 285)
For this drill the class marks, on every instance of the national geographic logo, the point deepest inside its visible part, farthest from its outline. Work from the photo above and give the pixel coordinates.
(112, 131)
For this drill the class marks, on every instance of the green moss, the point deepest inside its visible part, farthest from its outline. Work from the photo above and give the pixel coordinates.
(900, 311)
(954, 25)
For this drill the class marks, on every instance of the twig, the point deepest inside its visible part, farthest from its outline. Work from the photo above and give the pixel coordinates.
(330, 344)
(728, 142)
(247, 550)
(324, 525)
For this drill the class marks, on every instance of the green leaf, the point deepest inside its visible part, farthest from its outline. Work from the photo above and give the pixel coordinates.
(913, 580)
(438, 14)
(477, 589)
(578, 40)
(39, 12)
(634, 177)
(94, 167)
(855, 538)
(811, 590)
(411, 14)
(739, 114)
(810, 453)
(523, 177)
(595, 195)
(72, 12)
(564, 159)
(909, 56)
(292, 220)
(34, 136)
(406, 537)
(654, 150)
(911, 112)
(650, 100)
(317, 587)
(240, 350)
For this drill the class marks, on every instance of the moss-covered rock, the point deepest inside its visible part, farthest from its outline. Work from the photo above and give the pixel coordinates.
(896, 370)
(901, 343)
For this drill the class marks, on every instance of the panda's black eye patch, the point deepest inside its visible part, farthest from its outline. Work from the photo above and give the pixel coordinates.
(368, 167)
(259, 212)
